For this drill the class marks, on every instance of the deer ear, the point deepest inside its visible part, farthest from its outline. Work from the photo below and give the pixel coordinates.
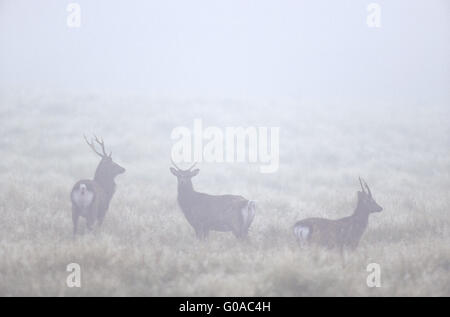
(174, 171)
(195, 172)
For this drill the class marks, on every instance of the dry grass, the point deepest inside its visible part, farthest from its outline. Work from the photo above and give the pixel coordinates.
(146, 247)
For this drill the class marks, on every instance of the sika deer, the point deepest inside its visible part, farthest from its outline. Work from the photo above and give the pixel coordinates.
(210, 212)
(340, 233)
(91, 198)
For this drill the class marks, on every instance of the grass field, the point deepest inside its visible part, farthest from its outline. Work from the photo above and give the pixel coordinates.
(147, 248)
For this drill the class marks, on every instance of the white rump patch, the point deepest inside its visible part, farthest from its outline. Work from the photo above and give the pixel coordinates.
(82, 197)
(248, 213)
(302, 233)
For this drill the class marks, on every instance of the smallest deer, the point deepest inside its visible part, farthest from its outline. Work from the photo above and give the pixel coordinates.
(340, 233)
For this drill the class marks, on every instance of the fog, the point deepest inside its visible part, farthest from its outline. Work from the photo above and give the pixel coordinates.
(313, 50)
(320, 136)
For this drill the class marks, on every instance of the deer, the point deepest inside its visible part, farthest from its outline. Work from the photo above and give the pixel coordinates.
(340, 233)
(91, 198)
(205, 213)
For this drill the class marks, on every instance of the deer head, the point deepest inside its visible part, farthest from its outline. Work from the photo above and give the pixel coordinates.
(184, 176)
(366, 200)
(107, 168)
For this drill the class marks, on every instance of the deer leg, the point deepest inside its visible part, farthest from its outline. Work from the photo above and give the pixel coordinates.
(201, 233)
(241, 235)
(100, 217)
(238, 232)
(343, 251)
(204, 234)
(243, 230)
(75, 217)
(238, 224)
(244, 233)
(198, 233)
(90, 219)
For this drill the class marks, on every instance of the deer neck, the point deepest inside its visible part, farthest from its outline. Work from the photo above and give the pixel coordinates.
(185, 192)
(106, 181)
(361, 216)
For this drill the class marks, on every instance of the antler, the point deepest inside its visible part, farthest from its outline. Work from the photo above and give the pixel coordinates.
(365, 184)
(101, 143)
(362, 187)
(368, 189)
(175, 165)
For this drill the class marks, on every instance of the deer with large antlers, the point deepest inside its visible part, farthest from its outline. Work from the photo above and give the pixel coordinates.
(91, 198)
(212, 212)
(341, 233)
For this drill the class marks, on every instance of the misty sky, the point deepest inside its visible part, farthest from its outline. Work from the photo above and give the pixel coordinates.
(233, 48)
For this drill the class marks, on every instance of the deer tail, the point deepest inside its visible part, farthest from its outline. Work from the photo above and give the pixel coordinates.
(248, 213)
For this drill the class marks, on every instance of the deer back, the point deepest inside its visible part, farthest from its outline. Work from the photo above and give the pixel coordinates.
(330, 233)
(218, 212)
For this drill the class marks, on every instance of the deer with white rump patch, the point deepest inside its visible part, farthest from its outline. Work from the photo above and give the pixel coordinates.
(212, 212)
(91, 198)
(340, 233)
